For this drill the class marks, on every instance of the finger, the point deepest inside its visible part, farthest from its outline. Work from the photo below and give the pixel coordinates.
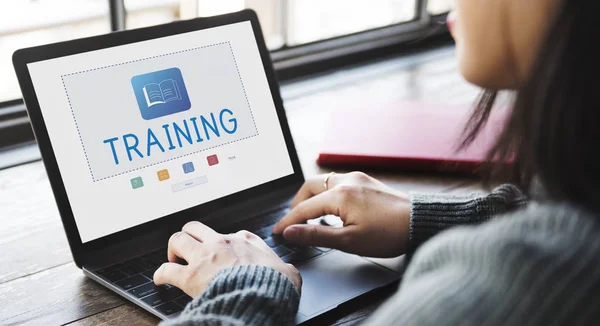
(315, 186)
(317, 235)
(307, 190)
(200, 231)
(182, 245)
(170, 273)
(253, 239)
(247, 235)
(319, 205)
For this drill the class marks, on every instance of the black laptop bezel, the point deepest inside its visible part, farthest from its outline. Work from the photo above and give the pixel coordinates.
(21, 58)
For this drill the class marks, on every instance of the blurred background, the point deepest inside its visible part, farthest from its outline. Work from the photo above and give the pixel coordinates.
(285, 23)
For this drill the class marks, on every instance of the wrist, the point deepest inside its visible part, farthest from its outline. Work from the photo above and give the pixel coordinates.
(403, 210)
(244, 277)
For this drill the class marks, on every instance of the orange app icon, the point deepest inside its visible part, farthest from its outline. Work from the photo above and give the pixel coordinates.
(163, 175)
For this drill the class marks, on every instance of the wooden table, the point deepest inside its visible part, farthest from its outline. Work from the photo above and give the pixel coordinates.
(39, 283)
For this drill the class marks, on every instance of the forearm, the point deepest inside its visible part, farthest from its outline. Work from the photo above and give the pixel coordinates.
(243, 295)
(536, 266)
(433, 213)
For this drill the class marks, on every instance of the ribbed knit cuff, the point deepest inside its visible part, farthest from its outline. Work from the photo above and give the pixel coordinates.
(256, 295)
(433, 213)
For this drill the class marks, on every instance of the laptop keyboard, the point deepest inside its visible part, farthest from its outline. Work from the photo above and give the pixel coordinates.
(290, 253)
(135, 275)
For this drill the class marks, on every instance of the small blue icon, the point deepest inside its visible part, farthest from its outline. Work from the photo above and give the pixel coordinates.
(160, 93)
(188, 167)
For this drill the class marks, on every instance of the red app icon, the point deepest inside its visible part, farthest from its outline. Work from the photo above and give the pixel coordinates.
(212, 160)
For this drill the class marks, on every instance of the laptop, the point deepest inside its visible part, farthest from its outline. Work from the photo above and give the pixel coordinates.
(144, 130)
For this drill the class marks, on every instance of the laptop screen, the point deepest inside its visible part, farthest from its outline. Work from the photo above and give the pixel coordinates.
(147, 129)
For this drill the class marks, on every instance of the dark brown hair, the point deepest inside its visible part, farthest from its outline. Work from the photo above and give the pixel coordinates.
(553, 131)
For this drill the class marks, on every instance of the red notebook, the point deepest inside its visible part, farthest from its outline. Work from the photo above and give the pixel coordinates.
(412, 136)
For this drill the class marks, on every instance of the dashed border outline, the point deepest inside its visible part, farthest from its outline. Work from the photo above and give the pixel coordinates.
(149, 58)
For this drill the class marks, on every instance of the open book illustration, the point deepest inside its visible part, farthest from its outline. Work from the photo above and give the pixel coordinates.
(160, 93)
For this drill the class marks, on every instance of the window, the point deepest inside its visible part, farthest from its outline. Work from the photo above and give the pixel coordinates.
(288, 23)
(34, 22)
(314, 20)
(142, 13)
(305, 36)
(436, 7)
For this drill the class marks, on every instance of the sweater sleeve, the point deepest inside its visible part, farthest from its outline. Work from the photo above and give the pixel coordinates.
(433, 213)
(535, 266)
(243, 295)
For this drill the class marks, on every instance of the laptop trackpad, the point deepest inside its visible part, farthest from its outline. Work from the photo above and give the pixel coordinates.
(336, 278)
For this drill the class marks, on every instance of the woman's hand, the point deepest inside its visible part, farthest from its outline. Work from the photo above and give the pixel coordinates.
(208, 252)
(376, 217)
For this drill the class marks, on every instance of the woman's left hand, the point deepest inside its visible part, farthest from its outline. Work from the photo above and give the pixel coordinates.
(208, 252)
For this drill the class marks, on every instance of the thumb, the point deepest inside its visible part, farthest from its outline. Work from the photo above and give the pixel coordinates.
(316, 235)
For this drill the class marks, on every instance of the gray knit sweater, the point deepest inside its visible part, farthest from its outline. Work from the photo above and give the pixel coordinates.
(528, 264)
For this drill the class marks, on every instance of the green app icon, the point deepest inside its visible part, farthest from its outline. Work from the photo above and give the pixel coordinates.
(137, 183)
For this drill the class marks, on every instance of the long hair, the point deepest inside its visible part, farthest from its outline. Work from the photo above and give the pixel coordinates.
(553, 132)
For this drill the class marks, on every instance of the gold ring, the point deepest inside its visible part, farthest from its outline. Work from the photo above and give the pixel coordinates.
(327, 180)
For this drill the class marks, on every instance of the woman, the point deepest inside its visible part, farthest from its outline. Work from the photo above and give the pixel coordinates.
(520, 258)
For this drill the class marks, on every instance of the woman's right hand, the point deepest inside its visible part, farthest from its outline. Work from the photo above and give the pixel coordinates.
(376, 217)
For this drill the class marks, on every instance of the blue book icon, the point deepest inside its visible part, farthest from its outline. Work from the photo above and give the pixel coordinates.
(160, 93)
